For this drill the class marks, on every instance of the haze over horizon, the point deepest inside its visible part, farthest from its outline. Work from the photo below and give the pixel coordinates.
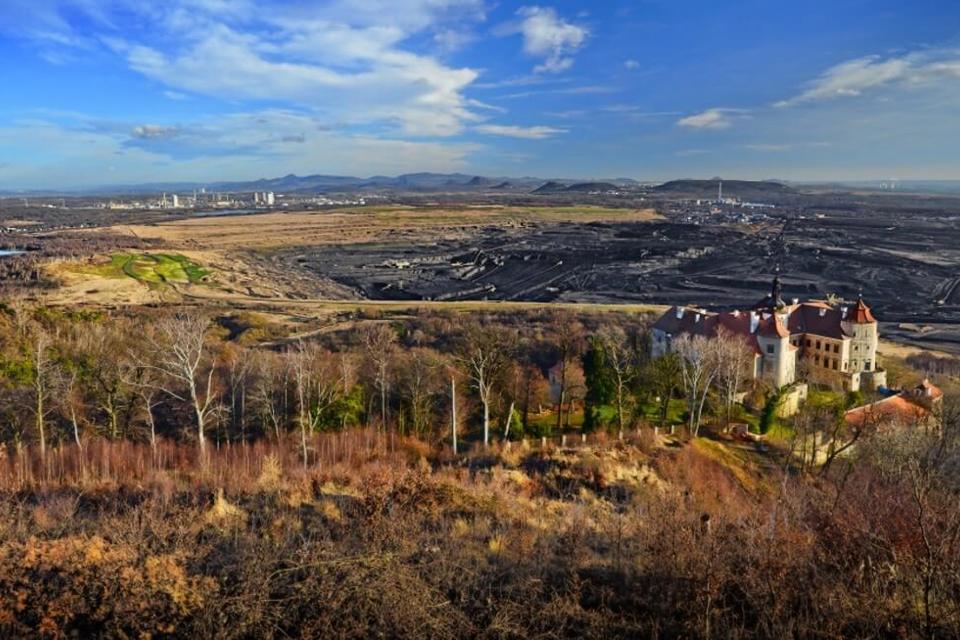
(101, 92)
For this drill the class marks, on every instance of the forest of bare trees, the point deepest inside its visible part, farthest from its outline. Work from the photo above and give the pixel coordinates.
(87, 375)
(362, 482)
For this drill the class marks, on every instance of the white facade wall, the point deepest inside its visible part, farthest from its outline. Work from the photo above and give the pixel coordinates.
(779, 360)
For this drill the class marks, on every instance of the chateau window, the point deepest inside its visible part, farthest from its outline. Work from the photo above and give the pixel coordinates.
(808, 342)
(816, 360)
(834, 365)
(818, 344)
(836, 348)
(866, 365)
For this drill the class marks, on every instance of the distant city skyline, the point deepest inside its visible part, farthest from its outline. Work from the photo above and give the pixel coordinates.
(100, 92)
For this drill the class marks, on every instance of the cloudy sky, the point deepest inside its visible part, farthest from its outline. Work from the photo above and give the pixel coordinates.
(124, 91)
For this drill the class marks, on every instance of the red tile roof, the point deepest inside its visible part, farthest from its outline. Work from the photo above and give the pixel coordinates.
(702, 323)
(860, 313)
(893, 411)
(772, 327)
(817, 318)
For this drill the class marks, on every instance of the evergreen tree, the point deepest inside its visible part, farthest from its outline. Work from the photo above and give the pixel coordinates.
(601, 388)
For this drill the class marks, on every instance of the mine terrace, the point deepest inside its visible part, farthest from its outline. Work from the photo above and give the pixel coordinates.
(682, 242)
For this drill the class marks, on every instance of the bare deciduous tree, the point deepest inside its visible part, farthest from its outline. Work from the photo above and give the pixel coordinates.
(620, 357)
(568, 337)
(379, 342)
(269, 392)
(314, 373)
(239, 368)
(419, 385)
(108, 369)
(178, 352)
(484, 356)
(698, 368)
(734, 359)
(42, 382)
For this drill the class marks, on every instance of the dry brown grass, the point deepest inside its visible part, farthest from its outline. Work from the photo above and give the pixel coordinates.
(275, 230)
(220, 243)
(369, 541)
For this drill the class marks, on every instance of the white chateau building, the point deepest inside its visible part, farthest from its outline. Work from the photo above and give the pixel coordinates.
(833, 344)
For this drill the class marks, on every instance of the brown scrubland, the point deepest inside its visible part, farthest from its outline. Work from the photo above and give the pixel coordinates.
(395, 538)
(170, 473)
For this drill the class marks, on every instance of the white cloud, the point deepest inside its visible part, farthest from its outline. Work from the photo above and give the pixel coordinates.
(155, 132)
(631, 65)
(526, 133)
(547, 36)
(854, 77)
(566, 91)
(632, 111)
(451, 40)
(716, 118)
(346, 59)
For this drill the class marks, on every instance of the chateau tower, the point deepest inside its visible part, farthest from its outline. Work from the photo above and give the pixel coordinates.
(779, 357)
(861, 326)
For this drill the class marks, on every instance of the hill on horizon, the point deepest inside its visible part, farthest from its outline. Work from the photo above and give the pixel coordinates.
(743, 189)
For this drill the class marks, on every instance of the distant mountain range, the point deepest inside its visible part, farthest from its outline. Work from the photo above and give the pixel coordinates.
(426, 182)
(465, 183)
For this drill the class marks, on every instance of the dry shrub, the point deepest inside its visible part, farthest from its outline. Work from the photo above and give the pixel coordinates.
(224, 514)
(572, 544)
(88, 586)
(460, 528)
(271, 473)
(511, 455)
(331, 511)
(414, 450)
(53, 512)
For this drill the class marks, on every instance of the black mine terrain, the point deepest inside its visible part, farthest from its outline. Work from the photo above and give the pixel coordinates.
(902, 252)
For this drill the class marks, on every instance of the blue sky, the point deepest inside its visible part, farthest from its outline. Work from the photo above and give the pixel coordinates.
(126, 91)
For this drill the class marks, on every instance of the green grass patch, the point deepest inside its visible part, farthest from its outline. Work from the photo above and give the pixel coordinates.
(111, 269)
(150, 268)
(546, 423)
(781, 431)
(825, 398)
(676, 409)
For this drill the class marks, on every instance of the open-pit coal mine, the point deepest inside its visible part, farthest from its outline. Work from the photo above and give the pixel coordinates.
(902, 254)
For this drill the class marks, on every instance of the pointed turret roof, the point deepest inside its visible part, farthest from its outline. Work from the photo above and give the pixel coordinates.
(860, 313)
